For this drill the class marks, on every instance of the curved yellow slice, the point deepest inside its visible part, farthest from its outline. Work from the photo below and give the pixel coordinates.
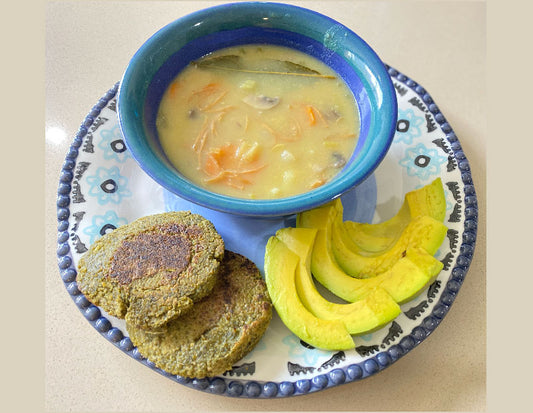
(373, 311)
(422, 232)
(429, 200)
(378, 237)
(280, 270)
(403, 281)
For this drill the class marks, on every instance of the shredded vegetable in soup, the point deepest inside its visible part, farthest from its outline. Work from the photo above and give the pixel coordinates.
(258, 122)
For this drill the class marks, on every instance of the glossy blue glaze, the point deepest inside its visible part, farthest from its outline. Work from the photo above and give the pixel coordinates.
(169, 50)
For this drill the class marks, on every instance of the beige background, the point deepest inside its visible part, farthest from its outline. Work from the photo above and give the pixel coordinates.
(440, 44)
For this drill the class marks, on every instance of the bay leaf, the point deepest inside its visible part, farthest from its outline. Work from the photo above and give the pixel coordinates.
(292, 67)
(270, 66)
(219, 62)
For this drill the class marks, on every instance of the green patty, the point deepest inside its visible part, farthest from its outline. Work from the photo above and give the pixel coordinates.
(152, 270)
(218, 331)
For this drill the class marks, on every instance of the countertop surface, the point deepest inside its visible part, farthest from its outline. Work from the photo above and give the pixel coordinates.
(440, 45)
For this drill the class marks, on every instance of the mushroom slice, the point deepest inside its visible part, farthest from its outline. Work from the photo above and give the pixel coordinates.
(261, 102)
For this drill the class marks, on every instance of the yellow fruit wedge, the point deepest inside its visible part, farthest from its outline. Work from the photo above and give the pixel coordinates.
(373, 311)
(378, 237)
(403, 281)
(423, 232)
(429, 200)
(411, 275)
(280, 270)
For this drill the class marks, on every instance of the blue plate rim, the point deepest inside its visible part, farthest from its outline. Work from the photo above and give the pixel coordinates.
(259, 389)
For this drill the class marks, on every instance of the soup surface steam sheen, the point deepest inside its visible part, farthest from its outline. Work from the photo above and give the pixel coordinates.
(258, 122)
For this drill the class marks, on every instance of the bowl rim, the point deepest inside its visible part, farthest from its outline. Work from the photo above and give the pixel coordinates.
(373, 70)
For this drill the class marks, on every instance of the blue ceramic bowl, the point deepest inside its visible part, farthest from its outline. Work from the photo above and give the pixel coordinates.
(168, 51)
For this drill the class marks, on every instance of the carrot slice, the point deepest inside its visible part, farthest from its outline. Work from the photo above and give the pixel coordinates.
(205, 91)
(317, 183)
(314, 115)
(173, 90)
(231, 164)
(311, 114)
(211, 166)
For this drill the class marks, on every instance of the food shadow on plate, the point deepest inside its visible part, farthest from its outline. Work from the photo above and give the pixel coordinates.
(248, 236)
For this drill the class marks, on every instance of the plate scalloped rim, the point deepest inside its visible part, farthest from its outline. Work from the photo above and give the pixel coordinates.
(236, 387)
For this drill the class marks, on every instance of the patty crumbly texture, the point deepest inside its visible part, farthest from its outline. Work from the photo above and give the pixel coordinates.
(154, 269)
(218, 331)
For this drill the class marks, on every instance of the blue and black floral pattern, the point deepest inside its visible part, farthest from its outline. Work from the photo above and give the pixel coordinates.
(408, 126)
(96, 190)
(108, 186)
(102, 224)
(113, 146)
(422, 162)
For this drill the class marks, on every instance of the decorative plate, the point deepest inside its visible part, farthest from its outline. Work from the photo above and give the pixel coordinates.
(101, 187)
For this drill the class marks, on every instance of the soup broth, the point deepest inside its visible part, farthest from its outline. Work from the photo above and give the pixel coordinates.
(258, 122)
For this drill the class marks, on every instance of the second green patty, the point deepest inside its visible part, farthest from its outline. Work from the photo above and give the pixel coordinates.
(218, 331)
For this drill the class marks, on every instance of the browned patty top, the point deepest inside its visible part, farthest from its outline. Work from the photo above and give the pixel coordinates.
(145, 254)
(153, 269)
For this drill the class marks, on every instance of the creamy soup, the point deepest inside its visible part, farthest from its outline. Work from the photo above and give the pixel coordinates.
(258, 122)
